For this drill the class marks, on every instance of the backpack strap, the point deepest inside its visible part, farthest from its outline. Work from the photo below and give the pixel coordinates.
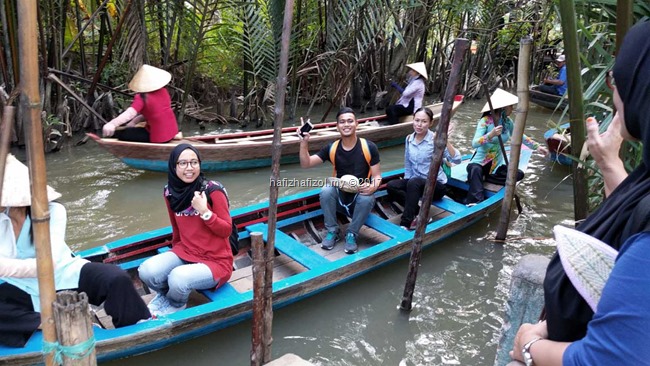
(333, 148)
(209, 186)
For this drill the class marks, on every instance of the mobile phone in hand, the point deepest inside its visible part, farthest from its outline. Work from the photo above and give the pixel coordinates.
(306, 128)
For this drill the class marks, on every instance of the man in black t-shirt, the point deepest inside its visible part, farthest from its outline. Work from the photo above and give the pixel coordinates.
(353, 156)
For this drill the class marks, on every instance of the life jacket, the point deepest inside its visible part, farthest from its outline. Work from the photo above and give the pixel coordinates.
(364, 148)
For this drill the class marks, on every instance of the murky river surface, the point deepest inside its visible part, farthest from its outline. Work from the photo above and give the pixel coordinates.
(463, 282)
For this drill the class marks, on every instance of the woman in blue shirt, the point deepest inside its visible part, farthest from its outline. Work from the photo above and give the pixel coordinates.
(19, 295)
(418, 154)
(488, 161)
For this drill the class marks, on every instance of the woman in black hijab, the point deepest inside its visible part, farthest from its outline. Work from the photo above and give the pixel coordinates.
(200, 257)
(621, 325)
(615, 220)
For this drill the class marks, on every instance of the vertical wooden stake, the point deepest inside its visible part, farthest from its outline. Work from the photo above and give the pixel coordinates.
(71, 309)
(440, 142)
(517, 134)
(8, 115)
(29, 81)
(259, 271)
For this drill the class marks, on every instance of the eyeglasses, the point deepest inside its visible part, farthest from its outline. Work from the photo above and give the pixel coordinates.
(346, 121)
(183, 163)
(609, 79)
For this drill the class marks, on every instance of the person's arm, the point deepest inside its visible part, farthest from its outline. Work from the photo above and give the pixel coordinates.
(18, 268)
(544, 352)
(452, 154)
(306, 160)
(220, 222)
(368, 188)
(534, 145)
(412, 89)
(482, 136)
(396, 86)
(109, 128)
(408, 165)
(604, 148)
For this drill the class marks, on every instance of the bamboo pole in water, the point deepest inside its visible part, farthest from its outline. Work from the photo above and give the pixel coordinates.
(8, 115)
(280, 94)
(517, 134)
(40, 214)
(576, 112)
(440, 142)
(259, 273)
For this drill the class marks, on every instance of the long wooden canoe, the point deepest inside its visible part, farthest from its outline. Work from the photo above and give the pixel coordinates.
(246, 150)
(302, 268)
(546, 100)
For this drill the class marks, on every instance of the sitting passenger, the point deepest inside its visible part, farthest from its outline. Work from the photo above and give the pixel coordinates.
(488, 161)
(418, 154)
(201, 257)
(152, 104)
(412, 95)
(19, 294)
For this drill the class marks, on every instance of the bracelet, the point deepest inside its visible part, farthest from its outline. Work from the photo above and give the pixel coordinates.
(525, 351)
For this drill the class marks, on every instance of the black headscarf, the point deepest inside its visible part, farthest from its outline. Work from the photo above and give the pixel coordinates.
(617, 218)
(181, 193)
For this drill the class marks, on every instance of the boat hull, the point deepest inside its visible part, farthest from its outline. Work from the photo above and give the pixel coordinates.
(237, 151)
(307, 268)
(550, 101)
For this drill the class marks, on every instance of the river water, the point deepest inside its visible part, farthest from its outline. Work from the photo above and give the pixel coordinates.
(463, 282)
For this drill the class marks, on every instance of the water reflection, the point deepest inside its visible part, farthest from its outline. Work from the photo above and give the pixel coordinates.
(462, 284)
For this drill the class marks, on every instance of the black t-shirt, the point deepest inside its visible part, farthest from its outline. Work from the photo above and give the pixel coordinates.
(353, 161)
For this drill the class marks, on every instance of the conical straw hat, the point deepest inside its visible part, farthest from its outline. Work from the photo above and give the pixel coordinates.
(587, 262)
(500, 98)
(420, 68)
(16, 188)
(148, 79)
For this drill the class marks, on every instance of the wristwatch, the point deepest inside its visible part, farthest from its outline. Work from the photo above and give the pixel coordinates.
(206, 216)
(528, 358)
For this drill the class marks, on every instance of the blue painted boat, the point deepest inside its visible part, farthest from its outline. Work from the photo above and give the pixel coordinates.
(302, 268)
(558, 142)
(252, 149)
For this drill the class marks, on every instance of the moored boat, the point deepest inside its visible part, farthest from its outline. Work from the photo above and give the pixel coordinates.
(302, 268)
(246, 150)
(546, 100)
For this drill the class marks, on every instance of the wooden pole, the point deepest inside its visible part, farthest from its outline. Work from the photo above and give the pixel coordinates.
(440, 143)
(280, 94)
(576, 112)
(624, 20)
(29, 80)
(76, 338)
(259, 271)
(517, 134)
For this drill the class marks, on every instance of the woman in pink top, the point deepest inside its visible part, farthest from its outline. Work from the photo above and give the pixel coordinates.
(152, 104)
(412, 95)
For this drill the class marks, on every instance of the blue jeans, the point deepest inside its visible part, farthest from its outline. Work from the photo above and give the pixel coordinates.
(359, 209)
(175, 278)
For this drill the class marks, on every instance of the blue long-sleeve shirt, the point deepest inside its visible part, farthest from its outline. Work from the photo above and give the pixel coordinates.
(418, 156)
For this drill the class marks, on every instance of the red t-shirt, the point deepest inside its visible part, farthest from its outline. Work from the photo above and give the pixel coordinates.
(204, 241)
(157, 110)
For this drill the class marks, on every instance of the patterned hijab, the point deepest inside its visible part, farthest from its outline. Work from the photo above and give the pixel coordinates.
(179, 193)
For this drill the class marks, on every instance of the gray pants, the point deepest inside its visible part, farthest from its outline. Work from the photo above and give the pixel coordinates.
(359, 209)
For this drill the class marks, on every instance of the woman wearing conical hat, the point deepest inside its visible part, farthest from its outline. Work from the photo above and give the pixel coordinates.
(103, 283)
(152, 104)
(412, 95)
(488, 161)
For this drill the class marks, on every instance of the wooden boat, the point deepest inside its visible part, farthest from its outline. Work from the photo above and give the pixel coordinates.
(246, 150)
(546, 100)
(302, 268)
(558, 141)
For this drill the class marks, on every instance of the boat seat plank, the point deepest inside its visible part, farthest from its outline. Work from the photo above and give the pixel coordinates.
(292, 248)
(450, 205)
(385, 227)
(224, 292)
(132, 264)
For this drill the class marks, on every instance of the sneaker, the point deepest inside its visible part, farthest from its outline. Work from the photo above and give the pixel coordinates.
(350, 243)
(157, 302)
(169, 309)
(330, 240)
(414, 225)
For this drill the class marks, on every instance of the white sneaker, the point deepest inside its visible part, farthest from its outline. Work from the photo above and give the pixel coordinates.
(157, 302)
(168, 309)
